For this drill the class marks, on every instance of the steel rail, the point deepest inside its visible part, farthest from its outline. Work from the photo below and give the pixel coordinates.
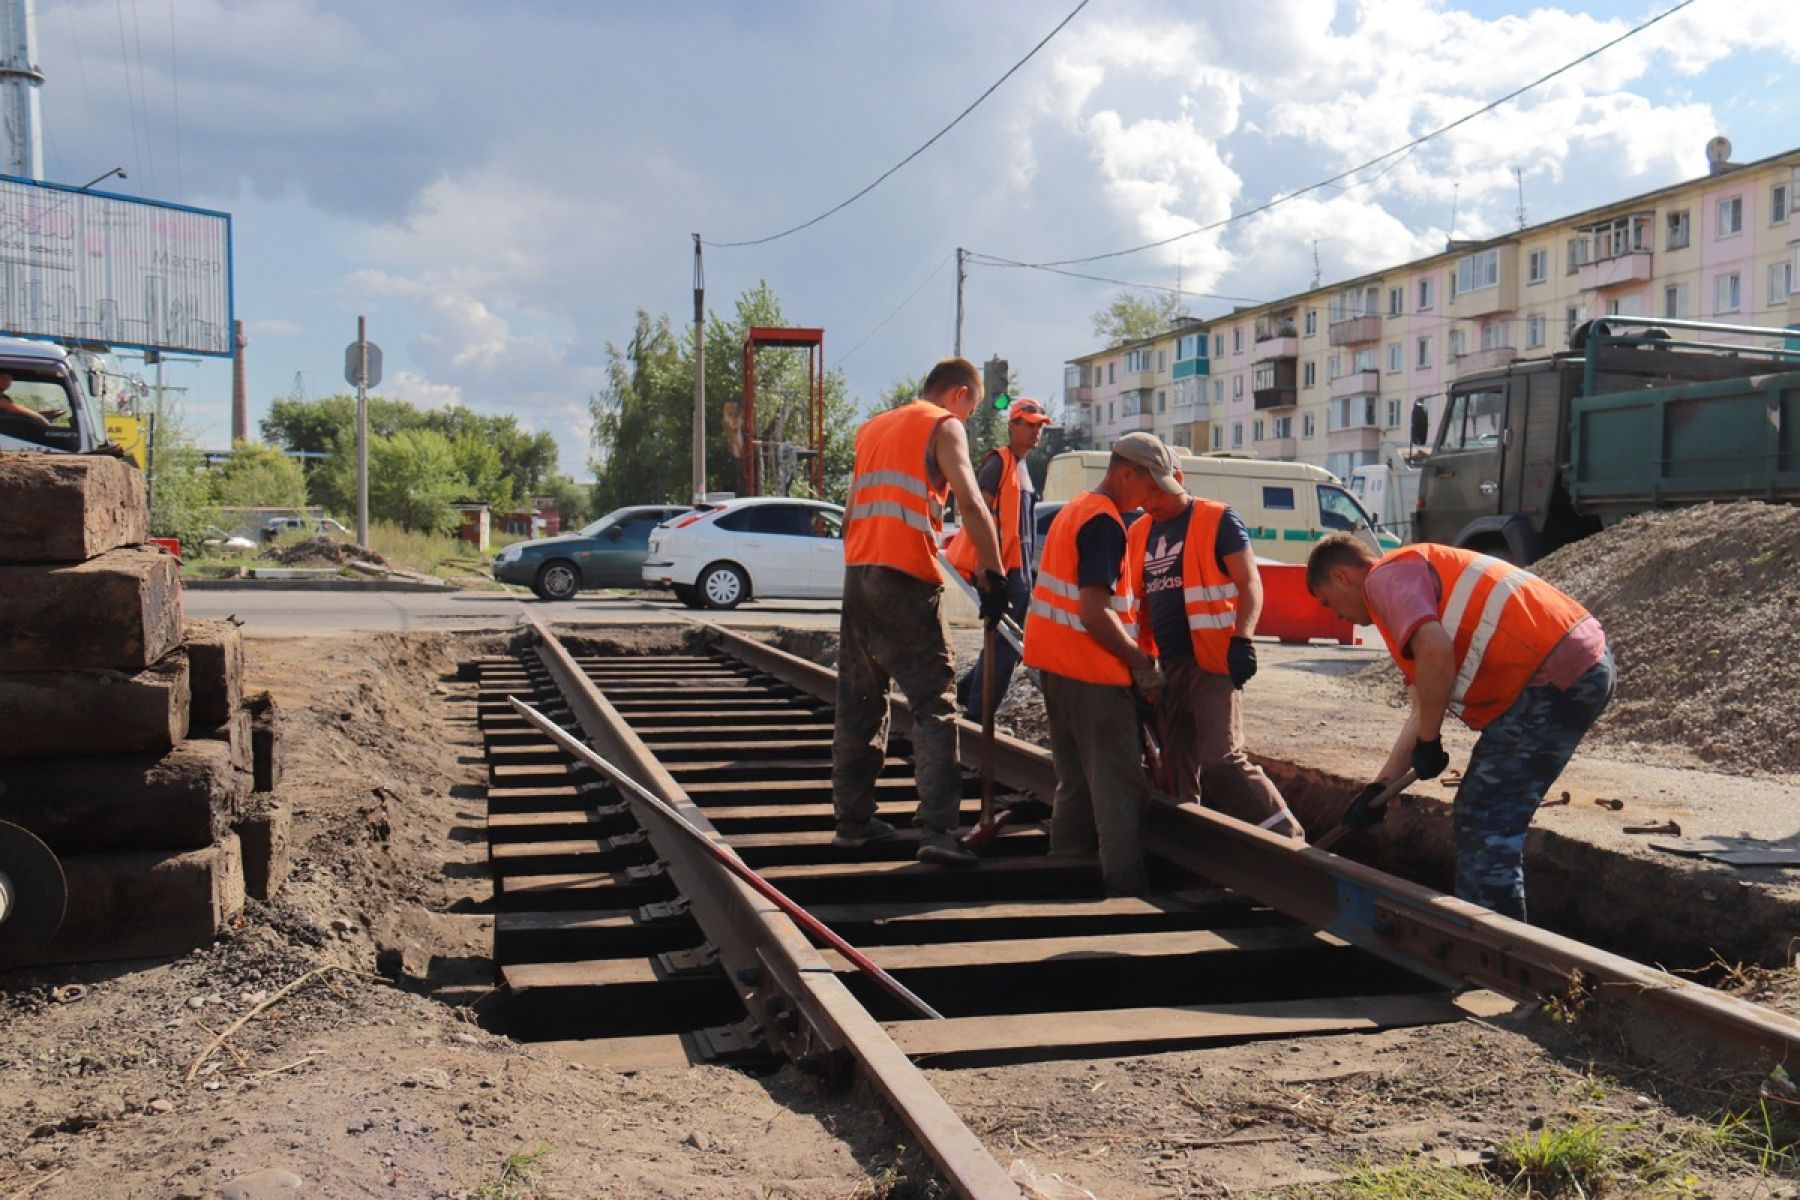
(795, 1000)
(1449, 941)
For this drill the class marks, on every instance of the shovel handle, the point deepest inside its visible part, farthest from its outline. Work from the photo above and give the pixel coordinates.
(1378, 804)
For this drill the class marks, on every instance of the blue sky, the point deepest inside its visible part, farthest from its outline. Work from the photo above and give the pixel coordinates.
(499, 187)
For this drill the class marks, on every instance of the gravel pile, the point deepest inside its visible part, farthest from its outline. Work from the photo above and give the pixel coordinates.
(321, 552)
(1702, 608)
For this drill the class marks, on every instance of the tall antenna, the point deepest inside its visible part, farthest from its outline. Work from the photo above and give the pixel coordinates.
(299, 388)
(1519, 175)
(1455, 195)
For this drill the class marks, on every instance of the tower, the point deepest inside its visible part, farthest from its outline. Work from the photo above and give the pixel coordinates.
(21, 126)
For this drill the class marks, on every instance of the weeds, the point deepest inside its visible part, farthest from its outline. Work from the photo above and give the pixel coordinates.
(1577, 1159)
(1413, 1179)
(1766, 1136)
(517, 1179)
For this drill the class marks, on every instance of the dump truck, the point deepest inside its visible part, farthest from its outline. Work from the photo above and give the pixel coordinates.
(48, 402)
(1638, 414)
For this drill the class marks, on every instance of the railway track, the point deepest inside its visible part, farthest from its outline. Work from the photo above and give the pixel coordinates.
(623, 945)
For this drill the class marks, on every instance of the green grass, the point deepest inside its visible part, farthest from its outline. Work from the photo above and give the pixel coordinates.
(1767, 1137)
(1413, 1179)
(1575, 1160)
(517, 1179)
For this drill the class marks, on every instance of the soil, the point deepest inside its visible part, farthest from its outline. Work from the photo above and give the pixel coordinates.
(378, 1077)
(321, 551)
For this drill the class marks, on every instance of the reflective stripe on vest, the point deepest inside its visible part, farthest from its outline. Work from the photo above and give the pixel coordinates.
(1055, 638)
(894, 513)
(1208, 595)
(1503, 622)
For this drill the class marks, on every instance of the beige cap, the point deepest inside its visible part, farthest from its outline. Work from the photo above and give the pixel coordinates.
(1148, 452)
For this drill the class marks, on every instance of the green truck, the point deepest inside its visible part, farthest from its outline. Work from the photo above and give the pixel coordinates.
(1639, 414)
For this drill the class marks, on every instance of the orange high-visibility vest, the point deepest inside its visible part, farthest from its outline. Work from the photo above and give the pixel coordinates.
(1055, 639)
(895, 511)
(1503, 621)
(960, 549)
(1209, 594)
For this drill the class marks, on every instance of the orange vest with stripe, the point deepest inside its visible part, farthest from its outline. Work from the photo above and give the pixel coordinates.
(1055, 639)
(1209, 594)
(1503, 622)
(895, 511)
(960, 549)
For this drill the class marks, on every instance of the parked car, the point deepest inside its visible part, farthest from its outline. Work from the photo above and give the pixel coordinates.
(276, 527)
(1046, 513)
(607, 553)
(766, 546)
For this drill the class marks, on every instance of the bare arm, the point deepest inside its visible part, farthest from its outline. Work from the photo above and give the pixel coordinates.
(1102, 622)
(1241, 566)
(9, 405)
(950, 446)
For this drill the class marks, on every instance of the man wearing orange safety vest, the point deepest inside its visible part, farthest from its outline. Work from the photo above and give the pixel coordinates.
(1077, 633)
(1492, 643)
(1190, 564)
(908, 460)
(1007, 488)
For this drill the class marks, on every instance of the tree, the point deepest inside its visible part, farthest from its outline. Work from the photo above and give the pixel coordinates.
(483, 475)
(181, 504)
(413, 478)
(574, 501)
(1129, 318)
(902, 391)
(257, 476)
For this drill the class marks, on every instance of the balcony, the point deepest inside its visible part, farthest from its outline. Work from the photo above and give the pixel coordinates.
(1191, 368)
(1356, 383)
(1354, 439)
(1078, 395)
(1286, 449)
(1265, 399)
(1129, 422)
(1631, 267)
(1353, 331)
(1485, 360)
(1130, 381)
(1268, 349)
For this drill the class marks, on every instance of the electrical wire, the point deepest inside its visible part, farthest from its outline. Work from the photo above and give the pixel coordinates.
(991, 260)
(992, 88)
(131, 116)
(175, 90)
(1380, 158)
(137, 38)
(942, 263)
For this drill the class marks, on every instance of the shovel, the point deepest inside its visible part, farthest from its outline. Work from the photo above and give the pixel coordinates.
(1379, 804)
(991, 822)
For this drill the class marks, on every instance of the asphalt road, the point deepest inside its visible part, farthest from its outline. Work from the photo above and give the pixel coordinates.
(301, 614)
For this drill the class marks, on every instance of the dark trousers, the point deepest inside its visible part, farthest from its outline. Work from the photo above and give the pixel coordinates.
(893, 628)
(1006, 659)
(1202, 720)
(1517, 758)
(1101, 788)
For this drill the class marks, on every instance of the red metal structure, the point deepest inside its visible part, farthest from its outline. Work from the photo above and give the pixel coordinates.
(758, 439)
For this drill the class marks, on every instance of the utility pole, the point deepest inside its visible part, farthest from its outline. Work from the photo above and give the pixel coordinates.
(962, 273)
(240, 390)
(1519, 175)
(362, 432)
(700, 375)
(20, 79)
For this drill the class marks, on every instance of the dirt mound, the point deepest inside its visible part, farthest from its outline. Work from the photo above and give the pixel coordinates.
(1701, 608)
(321, 551)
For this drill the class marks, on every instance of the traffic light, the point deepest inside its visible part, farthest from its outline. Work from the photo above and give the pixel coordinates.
(994, 381)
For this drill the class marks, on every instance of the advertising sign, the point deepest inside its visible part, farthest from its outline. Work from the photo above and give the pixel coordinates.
(114, 270)
(127, 433)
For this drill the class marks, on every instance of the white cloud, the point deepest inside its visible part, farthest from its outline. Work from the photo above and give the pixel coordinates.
(275, 327)
(416, 389)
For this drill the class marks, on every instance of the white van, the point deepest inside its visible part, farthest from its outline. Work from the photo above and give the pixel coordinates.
(1286, 505)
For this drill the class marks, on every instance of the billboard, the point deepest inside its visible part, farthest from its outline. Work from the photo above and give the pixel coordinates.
(114, 270)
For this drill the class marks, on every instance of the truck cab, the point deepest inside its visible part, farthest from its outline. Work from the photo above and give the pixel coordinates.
(51, 407)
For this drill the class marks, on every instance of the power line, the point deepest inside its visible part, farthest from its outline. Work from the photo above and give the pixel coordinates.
(1380, 158)
(992, 88)
(909, 299)
(131, 115)
(175, 89)
(990, 260)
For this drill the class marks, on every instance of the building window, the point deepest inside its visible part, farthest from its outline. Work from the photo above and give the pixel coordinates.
(1364, 360)
(1493, 335)
(1256, 430)
(1308, 425)
(1162, 401)
(1778, 204)
(1112, 372)
(1109, 412)
(1537, 266)
(1474, 272)
(1678, 230)
(1137, 361)
(1427, 294)
(1218, 391)
(1572, 318)
(1731, 216)
(1781, 282)
(1312, 322)
(1577, 254)
(1284, 427)
(1162, 360)
(1218, 345)
(1309, 374)
(1534, 331)
(1728, 293)
(1237, 387)
(1218, 437)
(1396, 357)
(1423, 358)
(1237, 435)
(1616, 238)
(1458, 344)
(1396, 301)
(1331, 367)
(1393, 414)
(1237, 340)
(1675, 300)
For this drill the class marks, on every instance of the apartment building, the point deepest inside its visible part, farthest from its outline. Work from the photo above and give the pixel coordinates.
(1330, 376)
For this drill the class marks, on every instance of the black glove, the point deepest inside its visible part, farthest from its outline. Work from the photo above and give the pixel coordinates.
(1240, 661)
(992, 589)
(1428, 758)
(1360, 815)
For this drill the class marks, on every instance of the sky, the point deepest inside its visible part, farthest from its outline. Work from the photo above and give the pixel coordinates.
(500, 188)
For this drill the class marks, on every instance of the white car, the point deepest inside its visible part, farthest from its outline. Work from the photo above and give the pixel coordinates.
(766, 547)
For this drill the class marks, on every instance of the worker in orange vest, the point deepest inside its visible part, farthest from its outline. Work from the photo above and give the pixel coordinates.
(1011, 497)
(1093, 670)
(1492, 643)
(908, 460)
(1190, 565)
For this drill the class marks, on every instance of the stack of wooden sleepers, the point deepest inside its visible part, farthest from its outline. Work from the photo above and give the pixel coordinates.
(127, 742)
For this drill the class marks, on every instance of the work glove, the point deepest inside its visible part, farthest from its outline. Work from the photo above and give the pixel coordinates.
(1361, 814)
(1240, 661)
(1148, 680)
(992, 590)
(1428, 758)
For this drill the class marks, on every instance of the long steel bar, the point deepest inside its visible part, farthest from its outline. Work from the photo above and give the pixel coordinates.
(788, 987)
(1437, 936)
(727, 858)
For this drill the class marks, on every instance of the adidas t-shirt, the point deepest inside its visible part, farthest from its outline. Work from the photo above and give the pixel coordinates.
(1165, 608)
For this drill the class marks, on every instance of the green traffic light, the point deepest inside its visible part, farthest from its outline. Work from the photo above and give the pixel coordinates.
(1001, 401)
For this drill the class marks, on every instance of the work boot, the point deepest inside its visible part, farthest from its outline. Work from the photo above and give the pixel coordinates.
(854, 835)
(942, 848)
